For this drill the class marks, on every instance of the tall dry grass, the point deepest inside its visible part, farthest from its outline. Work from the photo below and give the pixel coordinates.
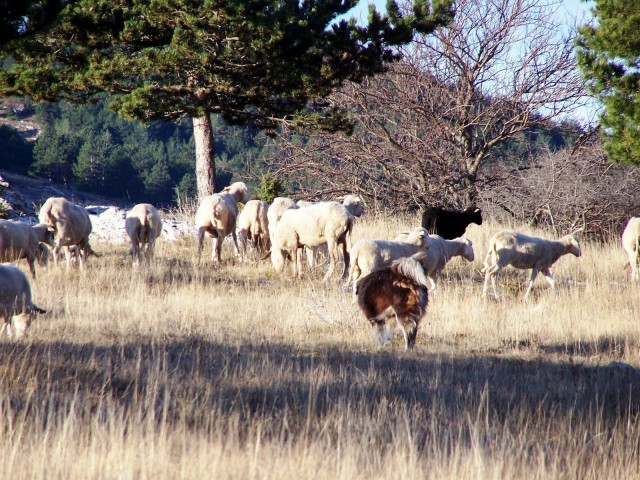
(192, 372)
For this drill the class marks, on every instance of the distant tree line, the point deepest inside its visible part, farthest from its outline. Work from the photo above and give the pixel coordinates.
(96, 150)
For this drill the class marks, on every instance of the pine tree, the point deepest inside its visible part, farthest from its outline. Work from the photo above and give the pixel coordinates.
(16, 152)
(255, 62)
(54, 157)
(609, 55)
(22, 17)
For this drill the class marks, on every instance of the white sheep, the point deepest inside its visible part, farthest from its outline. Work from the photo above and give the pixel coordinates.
(16, 307)
(19, 240)
(72, 226)
(524, 252)
(354, 205)
(370, 255)
(143, 225)
(275, 211)
(631, 245)
(440, 251)
(253, 224)
(326, 222)
(216, 217)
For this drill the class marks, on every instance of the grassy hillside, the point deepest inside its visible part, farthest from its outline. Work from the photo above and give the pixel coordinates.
(191, 372)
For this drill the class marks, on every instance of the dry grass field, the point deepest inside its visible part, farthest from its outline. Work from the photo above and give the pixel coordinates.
(181, 371)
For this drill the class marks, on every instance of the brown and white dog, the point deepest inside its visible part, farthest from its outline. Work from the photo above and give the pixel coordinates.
(398, 292)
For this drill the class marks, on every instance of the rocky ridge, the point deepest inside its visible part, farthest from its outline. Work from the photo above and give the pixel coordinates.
(21, 198)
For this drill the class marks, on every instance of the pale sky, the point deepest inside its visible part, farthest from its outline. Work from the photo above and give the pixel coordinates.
(575, 7)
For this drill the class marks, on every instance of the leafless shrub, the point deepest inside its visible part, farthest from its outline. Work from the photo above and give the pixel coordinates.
(566, 189)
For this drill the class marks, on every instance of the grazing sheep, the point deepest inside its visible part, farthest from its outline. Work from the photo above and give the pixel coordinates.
(450, 224)
(354, 205)
(253, 224)
(440, 251)
(524, 252)
(143, 225)
(16, 307)
(72, 226)
(370, 255)
(631, 243)
(275, 211)
(19, 240)
(326, 222)
(398, 291)
(216, 216)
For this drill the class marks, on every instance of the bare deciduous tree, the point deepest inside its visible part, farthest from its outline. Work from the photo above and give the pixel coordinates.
(425, 130)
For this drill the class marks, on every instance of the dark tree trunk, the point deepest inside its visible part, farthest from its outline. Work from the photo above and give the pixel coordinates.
(205, 156)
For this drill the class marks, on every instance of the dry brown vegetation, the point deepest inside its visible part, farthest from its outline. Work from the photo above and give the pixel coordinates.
(186, 372)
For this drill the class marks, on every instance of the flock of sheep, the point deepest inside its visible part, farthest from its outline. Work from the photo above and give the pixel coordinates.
(389, 277)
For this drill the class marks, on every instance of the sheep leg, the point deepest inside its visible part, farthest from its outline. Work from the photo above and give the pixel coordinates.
(299, 251)
(216, 249)
(56, 251)
(354, 275)
(534, 274)
(263, 242)
(83, 252)
(549, 276)
(432, 283)
(294, 262)
(235, 242)
(346, 258)
(150, 250)
(490, 276)
(242, 240)
(135, 252)
(31, 260)
(144, 247)
(67, 254)
(311, 256)
(201, 231)
(333, 259)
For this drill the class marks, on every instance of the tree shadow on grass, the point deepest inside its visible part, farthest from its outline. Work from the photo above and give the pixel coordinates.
(303, 390)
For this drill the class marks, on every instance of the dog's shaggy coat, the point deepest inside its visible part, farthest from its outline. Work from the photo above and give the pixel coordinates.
(397, 292)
